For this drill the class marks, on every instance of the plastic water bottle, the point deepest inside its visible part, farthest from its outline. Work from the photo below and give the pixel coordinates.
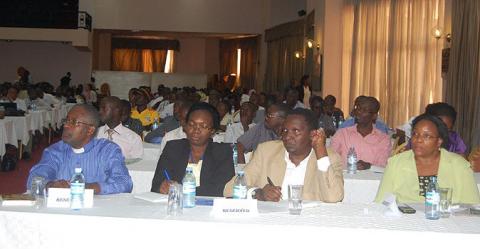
(240, 187)
(352, 161)
(235, 155)
(189, 189)
(432, 200)
(77, 190)
(155, 124)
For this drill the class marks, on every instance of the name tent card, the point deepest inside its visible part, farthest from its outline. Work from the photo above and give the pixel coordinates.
(60, 198)
(234, 208)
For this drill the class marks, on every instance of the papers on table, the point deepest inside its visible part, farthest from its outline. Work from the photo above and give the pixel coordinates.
(377, 169)
(17, 200)
(152, 197)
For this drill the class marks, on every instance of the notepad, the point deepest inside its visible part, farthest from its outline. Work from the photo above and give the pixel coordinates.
(17, 200)
(152, 197)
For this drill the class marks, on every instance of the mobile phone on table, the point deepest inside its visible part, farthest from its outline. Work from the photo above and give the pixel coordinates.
(406, 209)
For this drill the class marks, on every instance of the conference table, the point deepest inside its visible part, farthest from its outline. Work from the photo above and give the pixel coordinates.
(358, 188)
(8, 135)
(122, 221)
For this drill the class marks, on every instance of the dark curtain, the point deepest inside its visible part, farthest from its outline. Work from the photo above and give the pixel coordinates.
(462, 87)
(141, 55)
(248, 60)
(282, 66)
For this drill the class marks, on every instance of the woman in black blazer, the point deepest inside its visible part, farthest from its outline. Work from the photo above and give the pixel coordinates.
(215, 158)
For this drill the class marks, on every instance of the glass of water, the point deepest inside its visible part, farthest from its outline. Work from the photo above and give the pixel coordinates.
(37, 190)
(445, 201)
(295, 199)
(175, 199)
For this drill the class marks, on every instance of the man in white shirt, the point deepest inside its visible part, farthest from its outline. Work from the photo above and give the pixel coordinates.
(247, 113)
(11, 97)
(110, 113)
(301, 158)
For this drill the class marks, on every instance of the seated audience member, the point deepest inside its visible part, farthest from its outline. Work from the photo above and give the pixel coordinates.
(105, 90)
(301, 158)
(170, 123)
(448, 115)
(234, 131)
(474, 159)
(111, 114)
(101, 160)
(324, 121)
(259, 110)
(166, 110)
(143, 113)
(408, 174)
(11, 97)
(331, 110)
(131, 123)
(372, 146)
(305, 90)
(350, 121)
(35, 99)
(292, 99)
(90, 94)
(179, 132)
(212, 163)
(268, 130)
(47, 97)
(223, 109)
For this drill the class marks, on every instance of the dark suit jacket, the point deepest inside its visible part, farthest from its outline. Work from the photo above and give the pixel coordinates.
(217, 166)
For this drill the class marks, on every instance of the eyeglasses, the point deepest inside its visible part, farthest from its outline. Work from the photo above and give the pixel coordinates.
(295, 132)
(424, 137)
(200, 127)
(273, 115)
(74, 122)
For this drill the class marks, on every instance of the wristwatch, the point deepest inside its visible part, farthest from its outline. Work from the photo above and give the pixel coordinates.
(255, 192)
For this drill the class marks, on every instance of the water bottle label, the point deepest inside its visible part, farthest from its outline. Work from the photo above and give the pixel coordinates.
(239, 192)
(77, 188)
(432, 198)
(189, 187)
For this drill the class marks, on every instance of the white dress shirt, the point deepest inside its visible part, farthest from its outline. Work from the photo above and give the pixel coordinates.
(234, 131)
(50, 99)
(155, 101)
(130, 142)
(295, 175)
(167, 111)
(172, 135)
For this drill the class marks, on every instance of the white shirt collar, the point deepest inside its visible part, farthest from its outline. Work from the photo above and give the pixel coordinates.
(78, 151)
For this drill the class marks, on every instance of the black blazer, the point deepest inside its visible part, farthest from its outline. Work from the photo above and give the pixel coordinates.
(217, 166)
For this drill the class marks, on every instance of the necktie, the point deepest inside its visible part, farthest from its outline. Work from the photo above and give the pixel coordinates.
(110, 133)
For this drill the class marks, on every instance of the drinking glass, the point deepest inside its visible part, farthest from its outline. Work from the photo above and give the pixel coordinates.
(295, 199)
(445, 201)
(37, 190)
(175, 202)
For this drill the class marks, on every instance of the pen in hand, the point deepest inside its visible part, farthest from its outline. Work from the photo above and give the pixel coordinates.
(165, 173)
(270, 181)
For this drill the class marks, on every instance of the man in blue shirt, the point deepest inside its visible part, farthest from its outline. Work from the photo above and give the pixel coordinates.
(101, 160)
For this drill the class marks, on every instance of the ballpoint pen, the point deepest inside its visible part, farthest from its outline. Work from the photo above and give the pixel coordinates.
(165, 173)
(270, 181)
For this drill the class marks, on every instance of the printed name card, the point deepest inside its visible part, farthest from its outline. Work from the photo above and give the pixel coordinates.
(60, 198)
(234, 208)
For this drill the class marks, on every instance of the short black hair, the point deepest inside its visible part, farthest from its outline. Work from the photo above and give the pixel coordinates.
(92, 116)
(441, 126)
(317, 98)
(308, 115)
(442, 109)
(283, 109)
(374, 102)
(202, 106)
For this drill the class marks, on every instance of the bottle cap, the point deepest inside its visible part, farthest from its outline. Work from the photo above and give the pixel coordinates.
(78, 170)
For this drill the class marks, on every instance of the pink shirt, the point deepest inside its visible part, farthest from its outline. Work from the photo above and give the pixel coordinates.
(374, 148)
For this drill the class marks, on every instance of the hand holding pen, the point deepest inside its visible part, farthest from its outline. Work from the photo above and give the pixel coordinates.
(270, 192)
(165, 186)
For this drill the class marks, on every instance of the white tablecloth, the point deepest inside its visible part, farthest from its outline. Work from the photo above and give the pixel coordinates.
(22, 127)
(8, 135)
(120, 221)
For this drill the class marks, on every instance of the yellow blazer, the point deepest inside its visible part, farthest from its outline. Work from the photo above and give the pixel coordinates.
(269, 160)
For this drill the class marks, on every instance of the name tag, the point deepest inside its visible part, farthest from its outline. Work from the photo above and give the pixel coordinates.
(234, 208)
(60, 198)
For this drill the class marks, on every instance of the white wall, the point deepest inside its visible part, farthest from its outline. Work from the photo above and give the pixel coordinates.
(217, 16)
(46, 61)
